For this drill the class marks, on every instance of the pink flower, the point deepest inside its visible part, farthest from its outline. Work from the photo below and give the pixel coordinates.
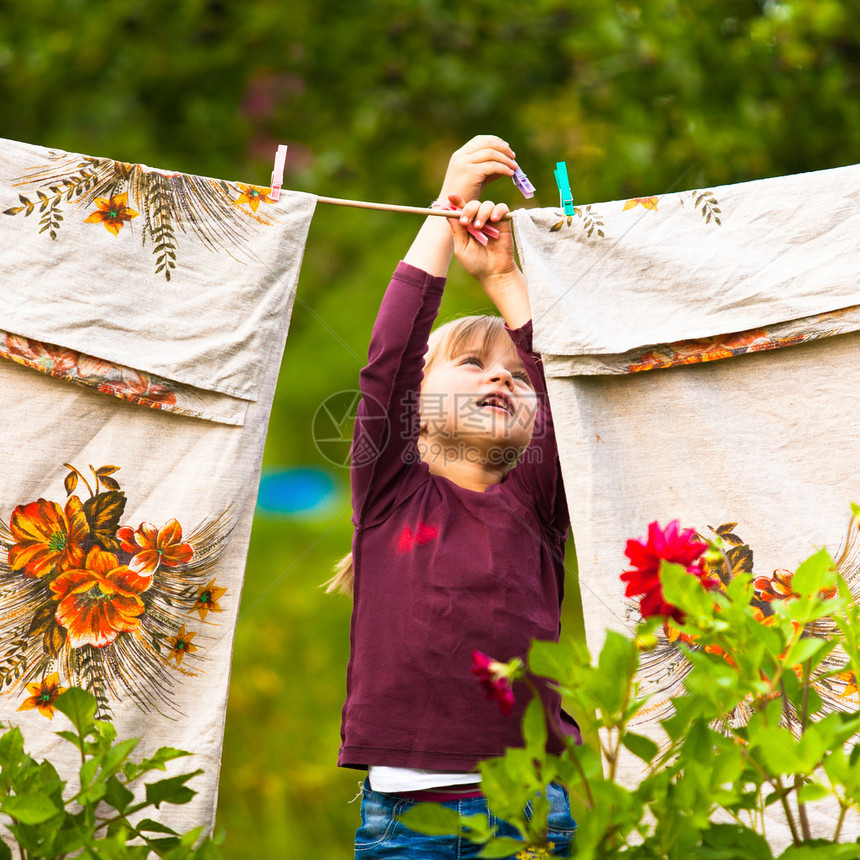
(672, 545)
(495, 678)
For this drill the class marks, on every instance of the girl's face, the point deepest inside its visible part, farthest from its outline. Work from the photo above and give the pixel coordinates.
(478, 399)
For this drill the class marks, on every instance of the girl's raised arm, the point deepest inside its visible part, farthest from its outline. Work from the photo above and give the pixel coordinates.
(494, 267)
(387, 424)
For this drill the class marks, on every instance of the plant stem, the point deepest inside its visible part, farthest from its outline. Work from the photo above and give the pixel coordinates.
(801, 810)
(613, 761)
(95, 475)
(585, 783)
(122, 816)
(843, 808)
(783, 799)
(561, 736)
(781, 792)
(777, 782)
(80, 475)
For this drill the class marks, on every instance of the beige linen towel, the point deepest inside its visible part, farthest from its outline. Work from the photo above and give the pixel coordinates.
(154, 308)
(700, 349)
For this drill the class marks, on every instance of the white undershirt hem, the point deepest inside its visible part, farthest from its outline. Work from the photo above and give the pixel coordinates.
(393, 779)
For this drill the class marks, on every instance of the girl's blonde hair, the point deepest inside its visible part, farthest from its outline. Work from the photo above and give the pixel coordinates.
(447, 340)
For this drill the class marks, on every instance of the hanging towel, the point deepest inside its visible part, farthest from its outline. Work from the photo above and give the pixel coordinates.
(143, 317)
(700, 349)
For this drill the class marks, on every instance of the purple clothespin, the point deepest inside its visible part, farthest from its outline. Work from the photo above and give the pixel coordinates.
(278, 172)
(522, 182)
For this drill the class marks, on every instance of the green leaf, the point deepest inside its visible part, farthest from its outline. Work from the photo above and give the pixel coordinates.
(5, 851)
(172, 790)
(12, 754)
(432, 819)
(731, 841)
(207, 851)
(117, 755)
(815, 574)
(33, 808)
(813, 791)
(117, 795)
(71, 737)
(80, 707)
(640, 746)
(534, 728)
(164, 755)
(821, 849)
(170, 848)
(808, 647)
(504, 846)
(559, 661)
(71, 837)
(616, 666)
(685, 591)
(150, 826)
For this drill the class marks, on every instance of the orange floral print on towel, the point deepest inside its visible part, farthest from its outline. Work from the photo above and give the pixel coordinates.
(729, 345)
(219, 214)
(88, 602)
(645, 202)
(126, 383)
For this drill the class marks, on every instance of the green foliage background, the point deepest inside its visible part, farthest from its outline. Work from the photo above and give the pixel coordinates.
(638, 98)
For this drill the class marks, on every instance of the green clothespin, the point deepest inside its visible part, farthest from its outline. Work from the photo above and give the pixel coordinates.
(563, 182)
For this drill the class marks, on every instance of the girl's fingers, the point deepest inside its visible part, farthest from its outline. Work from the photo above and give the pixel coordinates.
(479, 212)
(504, 158)
(483, 213)
(488, 156)
(477, 215)
(499, 211)
(488, 143)
(469, 210)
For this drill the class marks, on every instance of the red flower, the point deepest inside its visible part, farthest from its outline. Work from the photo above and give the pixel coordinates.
(152, 546)
(672, 545)
(495, 678)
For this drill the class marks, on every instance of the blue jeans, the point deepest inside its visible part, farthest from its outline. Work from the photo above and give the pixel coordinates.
(381, 835)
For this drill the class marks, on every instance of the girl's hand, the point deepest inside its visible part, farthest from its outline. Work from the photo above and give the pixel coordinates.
(478, 162)
(492, 265)
(482, 261)
(481, 160)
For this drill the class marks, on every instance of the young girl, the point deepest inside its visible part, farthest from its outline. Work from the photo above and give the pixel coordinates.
(455, 551)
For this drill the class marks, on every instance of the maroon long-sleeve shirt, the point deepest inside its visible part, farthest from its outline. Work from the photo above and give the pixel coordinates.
(441, 571)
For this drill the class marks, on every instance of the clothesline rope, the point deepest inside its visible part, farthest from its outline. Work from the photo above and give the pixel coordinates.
(393, 207)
